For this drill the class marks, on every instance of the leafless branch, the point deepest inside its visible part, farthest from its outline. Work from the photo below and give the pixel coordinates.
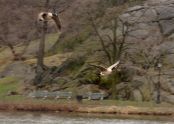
(100, 37)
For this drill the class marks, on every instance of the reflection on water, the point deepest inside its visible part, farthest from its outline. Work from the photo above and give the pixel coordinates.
(47, 118)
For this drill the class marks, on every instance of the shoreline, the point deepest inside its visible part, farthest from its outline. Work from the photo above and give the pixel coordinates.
(80, 108)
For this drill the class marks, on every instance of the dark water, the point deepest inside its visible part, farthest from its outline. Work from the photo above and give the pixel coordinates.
(59, 118)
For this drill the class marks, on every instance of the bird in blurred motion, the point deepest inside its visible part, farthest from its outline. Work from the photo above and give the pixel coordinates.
(107, 71)
(48, 16)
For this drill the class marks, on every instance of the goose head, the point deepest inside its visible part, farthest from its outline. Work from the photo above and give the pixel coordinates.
(45, 16)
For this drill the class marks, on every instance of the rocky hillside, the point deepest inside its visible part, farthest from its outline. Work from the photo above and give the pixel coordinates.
(152, 38)
(149, 45)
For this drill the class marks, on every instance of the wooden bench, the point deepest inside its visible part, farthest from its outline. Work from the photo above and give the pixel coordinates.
(63, 95)
(95, 96)
(39, 94)
(51, 95)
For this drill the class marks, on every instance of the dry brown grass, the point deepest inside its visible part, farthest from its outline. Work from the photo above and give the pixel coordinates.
(80, 108)
(4, 63)
(129, 110)
(28, 106)
(51, 60)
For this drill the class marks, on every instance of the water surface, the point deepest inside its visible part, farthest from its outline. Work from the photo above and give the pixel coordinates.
(59, 118)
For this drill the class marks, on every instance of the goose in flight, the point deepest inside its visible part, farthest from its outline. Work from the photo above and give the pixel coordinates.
(107, 71)
(48, 16)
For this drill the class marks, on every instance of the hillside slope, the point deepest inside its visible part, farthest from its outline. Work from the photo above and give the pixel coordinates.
(150, 43)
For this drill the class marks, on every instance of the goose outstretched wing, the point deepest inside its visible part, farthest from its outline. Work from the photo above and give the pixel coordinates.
(114, 65)
(57, 21)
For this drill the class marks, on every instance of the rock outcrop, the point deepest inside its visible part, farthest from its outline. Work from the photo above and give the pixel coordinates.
(151, 30)
(19, 70)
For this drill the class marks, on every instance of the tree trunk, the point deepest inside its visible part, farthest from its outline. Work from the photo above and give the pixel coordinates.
(115, 81)
(40, 56)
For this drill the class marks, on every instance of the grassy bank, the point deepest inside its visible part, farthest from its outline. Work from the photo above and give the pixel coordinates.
(100, 107)
(23, 103)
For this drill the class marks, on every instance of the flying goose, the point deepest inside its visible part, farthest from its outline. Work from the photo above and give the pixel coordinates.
(107, 71)
(48, 16)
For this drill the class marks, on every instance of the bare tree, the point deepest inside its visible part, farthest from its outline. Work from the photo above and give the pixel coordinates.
(40, 56)
(4, 37)
(114, 45)
(151, 57)
(40, 61)
(17, 26)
